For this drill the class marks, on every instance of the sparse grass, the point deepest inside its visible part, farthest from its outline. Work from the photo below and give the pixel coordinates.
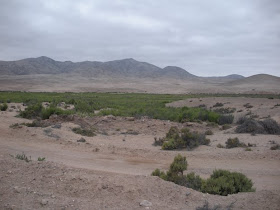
(248, 149)
(84, 132)
(16, 125)
(41, 159)
(227, 110)
(23, 157)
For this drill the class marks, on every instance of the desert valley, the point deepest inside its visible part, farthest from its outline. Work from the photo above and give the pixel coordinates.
(90, 135)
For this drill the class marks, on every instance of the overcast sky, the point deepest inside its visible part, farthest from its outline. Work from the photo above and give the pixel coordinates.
(205, 37)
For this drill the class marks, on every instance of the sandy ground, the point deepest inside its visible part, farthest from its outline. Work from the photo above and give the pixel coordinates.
(76, 83)
(112, 170)
(261, 107)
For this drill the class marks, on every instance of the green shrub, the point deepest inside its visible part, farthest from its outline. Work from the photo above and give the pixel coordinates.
(223, 182)
(3, 107)
(178, 139)
(38, 111)
(23, 157)
(47, 112)
(225, 119)
(194, 181)
(32, 111)
(41, 158)
(234, 142)
(84, 132)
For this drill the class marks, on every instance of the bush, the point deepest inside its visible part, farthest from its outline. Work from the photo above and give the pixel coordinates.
(248, 106)
(176, 170)
(220, 146)
(218, 104)
(250, 126)
(41, 158)
(194, 181)
(84, 132)
(178, 139)
(275, 147)
(268, 126)
(234, 142)
(32, 111)
(241, 120)
(47, 112)
(223, 182)
(208, 132)
(3, 107)
(38, 111)
(225, 119)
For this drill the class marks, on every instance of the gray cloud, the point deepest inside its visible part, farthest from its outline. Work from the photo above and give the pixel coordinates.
(205, 37)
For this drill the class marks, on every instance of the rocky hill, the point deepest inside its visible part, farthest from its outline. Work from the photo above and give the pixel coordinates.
(118, 68)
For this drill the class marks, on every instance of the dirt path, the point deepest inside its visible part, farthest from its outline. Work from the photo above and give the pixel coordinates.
(266, 176)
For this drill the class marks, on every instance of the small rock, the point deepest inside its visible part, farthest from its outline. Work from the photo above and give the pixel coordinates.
(130, 118)
(146, 203)
(81, 140)
(17, 189)
(57, 126)
(188, 193)
(44, 202)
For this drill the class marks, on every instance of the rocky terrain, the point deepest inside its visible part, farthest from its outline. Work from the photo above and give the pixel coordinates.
(47, 75)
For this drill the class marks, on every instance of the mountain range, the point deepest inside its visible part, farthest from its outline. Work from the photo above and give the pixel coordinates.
(114, 69)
